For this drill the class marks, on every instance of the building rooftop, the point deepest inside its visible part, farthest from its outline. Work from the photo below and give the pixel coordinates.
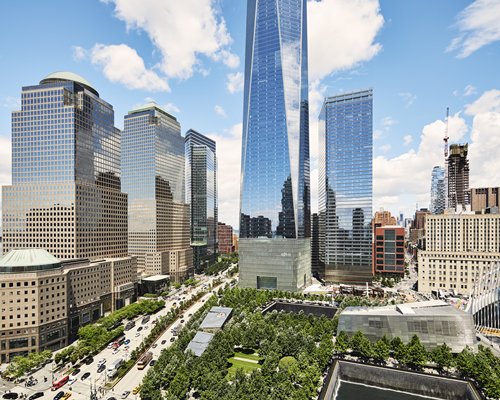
(431, 307)
(69, 76)
(151, 106)
(28, 260)
(216, 318)
(200, 343)
(155, 278)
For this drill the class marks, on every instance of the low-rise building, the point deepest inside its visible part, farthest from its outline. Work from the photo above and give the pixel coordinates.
(45, 300)
(458, 248)
(216, 319)
(388, 250)
(200, 343)
(225, 237)
(434, 322)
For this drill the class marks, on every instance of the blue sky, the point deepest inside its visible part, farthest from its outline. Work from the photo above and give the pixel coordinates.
(419, 56)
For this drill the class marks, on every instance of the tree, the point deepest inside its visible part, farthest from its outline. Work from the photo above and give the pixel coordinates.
(361, 345)
(442, 356)
(381, 350)
(416, 355)
(465, 361)
(341, 343)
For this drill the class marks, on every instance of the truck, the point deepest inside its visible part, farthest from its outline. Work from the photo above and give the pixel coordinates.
(113, 368)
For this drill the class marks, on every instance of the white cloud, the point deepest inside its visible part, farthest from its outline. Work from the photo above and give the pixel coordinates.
(488, 102)
(79, 53)
(11, 102)
(182, 31)
(228, 170)
(341, 34)
(407, 140)
(385, 148)
(234, 82)
(469, 90)
(377, 134)
(387, 122)
(479, 26)
(122, 64)
(408, 97)
(485, 143)
(219, 110)
(171, 108)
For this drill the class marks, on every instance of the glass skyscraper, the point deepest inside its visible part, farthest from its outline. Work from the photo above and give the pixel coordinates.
(66, 194)
(275, 188)
(437, 205)
(345, 187)
(201, 195)
(153, 176)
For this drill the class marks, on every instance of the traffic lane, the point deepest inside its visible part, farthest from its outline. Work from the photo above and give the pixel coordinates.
(135, 376)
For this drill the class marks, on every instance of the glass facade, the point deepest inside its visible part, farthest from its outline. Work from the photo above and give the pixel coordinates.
(201, 195)
(345, 187)
(153, 176)
(65, 195)
(275, 192)
(437, 205)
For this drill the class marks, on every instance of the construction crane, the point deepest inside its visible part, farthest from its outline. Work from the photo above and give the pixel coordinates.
(445, 139)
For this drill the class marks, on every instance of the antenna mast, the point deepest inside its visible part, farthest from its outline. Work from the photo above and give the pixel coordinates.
(445, 139)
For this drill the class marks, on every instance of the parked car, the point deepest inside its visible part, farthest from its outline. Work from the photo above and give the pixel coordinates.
(59, 395)
(172, 339)
(85, 375)
(155, 345)
(35, 395)
(125, 394)
(153, 362)
(88, 360)
(76, 371)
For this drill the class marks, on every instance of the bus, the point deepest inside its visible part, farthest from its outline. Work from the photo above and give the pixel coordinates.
(113, 368)
(60, 382)
(118, 342)
(144, 360)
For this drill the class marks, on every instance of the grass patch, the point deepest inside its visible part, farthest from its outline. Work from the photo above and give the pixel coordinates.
(248, 366)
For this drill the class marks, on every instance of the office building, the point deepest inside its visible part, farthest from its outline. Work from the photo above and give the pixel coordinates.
(383, 218)
(316, 267)
(45, 301)
(66, 193)
(457, 248)
(275, 188)
(225, 238)
(389, 250)
(458, 177)
(201, 195)
(345, 187)
(484, 199)
(153, 176)
(434, 322)
(417, 229)
(438, 194)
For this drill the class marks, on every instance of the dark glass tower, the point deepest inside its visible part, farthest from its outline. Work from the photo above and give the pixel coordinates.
(66, 193)
(275, 191)
(153, 176)
(201, 194)
(437, 205)
(345, 187)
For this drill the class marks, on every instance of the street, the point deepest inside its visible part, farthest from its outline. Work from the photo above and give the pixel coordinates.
(82, 389)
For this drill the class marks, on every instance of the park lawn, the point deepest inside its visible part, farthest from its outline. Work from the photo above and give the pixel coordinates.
(247, 366)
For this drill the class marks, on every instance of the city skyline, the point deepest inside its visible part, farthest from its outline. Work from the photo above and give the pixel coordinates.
(392, 47)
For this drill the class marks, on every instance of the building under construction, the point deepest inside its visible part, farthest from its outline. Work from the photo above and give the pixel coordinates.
(458, 176)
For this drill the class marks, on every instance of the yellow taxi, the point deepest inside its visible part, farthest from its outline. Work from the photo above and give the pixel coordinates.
(66, 396)
(136, 390)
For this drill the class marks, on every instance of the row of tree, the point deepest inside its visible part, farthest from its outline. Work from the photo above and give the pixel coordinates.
(20, 365)
(295, 349)
(482, 366)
